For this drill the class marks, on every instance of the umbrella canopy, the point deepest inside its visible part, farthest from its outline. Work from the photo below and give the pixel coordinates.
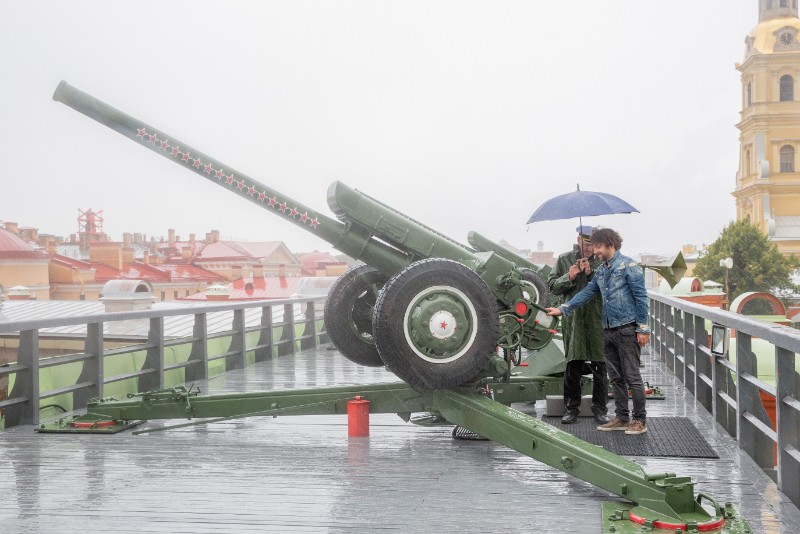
(580, 204)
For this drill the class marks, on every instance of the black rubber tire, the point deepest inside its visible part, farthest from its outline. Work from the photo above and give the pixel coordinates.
(540, 284)
(389, 324)
(354, 291)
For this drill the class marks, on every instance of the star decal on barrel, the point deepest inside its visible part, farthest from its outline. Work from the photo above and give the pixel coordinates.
(209, 169)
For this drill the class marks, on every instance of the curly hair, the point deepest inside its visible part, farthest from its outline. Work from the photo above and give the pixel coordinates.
(607, 237)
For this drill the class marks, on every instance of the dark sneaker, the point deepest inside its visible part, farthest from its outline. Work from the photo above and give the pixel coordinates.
(636, 427)
(614, 424)
(600, 418)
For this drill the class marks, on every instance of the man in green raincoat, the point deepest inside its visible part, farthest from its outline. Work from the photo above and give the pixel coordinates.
(581, 330)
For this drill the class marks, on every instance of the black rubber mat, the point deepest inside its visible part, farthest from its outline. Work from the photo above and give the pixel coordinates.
(666, 436)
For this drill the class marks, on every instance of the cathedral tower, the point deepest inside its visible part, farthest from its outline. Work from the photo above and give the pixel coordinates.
(768, 182)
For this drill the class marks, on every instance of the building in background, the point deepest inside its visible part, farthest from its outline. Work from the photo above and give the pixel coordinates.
(768, 182)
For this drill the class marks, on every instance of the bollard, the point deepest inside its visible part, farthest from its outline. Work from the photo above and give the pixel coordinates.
(357, 417)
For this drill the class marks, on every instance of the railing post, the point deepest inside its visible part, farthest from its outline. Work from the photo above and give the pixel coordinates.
(724, 383)
(689, 362)
(756, 444)
(238, 343)
(669, 338)
(788, 424)
(288, 335)
(93, 369)
(266, 335)
(154, 361)
(26, 382)
(310, 330)
(703, 366)
(198, 368)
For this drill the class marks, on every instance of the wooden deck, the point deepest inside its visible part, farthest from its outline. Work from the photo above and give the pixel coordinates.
(303, 474)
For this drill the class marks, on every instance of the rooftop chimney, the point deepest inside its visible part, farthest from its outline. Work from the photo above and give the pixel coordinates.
(12, 227)
(127, 295)
(18, 293)
(214, 236)
(171, 238)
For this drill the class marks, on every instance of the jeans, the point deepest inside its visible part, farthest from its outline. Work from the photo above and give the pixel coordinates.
(572, 386)
(623, 354)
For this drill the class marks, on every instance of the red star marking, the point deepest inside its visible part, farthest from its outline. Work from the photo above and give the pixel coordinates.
(197, 163)
(294, 212)
(443, 325)
(229, 179)
(262, 196)
(165, 144)
(283, 207)
(273, 201)
(240, 185)
(251, 190)
(141, 132)
(208, 168)
(153, 138)
(186, 157)
(304, 217)
(175, 151)
(219, 174)
(314, 223)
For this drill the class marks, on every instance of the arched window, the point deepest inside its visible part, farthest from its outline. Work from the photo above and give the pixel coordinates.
(749, 94)
(787, 88)
(787, 158)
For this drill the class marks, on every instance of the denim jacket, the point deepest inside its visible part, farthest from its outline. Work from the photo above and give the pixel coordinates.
(621, 286)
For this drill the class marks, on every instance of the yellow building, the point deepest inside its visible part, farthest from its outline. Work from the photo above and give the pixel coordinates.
(768, 182)
(22, 265)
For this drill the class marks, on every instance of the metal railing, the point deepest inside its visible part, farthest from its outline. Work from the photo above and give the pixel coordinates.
(738, 398)
(296, 328)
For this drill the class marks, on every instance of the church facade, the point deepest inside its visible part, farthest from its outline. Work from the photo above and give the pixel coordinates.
(768, 181)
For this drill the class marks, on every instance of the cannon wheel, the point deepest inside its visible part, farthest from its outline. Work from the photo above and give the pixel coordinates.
(542, 290)
(348, 314)
(436, 324)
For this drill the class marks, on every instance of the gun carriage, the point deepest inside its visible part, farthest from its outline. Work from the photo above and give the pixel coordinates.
(434, 312)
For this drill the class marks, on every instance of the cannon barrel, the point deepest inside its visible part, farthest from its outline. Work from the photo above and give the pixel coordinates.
(352, 240)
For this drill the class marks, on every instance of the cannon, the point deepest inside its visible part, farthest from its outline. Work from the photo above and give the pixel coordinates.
(432, 310)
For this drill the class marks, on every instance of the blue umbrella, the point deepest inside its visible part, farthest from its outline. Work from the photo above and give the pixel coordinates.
(580, 204)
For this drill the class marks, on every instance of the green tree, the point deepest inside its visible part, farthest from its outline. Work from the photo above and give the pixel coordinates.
(758, 265)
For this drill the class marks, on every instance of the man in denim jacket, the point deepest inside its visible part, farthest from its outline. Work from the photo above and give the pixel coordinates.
(620, 282)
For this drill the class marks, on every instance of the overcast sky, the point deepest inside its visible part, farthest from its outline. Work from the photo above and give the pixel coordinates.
(465, 115)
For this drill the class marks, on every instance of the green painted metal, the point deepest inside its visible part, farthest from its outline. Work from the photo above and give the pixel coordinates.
(87, 424)
(621, 518)
(484, 244)
(482, 407)
(665, 496)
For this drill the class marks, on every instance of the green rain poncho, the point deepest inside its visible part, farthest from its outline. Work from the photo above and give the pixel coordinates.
(583, 334)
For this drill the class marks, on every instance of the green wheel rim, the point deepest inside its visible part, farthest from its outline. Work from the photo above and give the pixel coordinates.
(359, 314)
(439, 324)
